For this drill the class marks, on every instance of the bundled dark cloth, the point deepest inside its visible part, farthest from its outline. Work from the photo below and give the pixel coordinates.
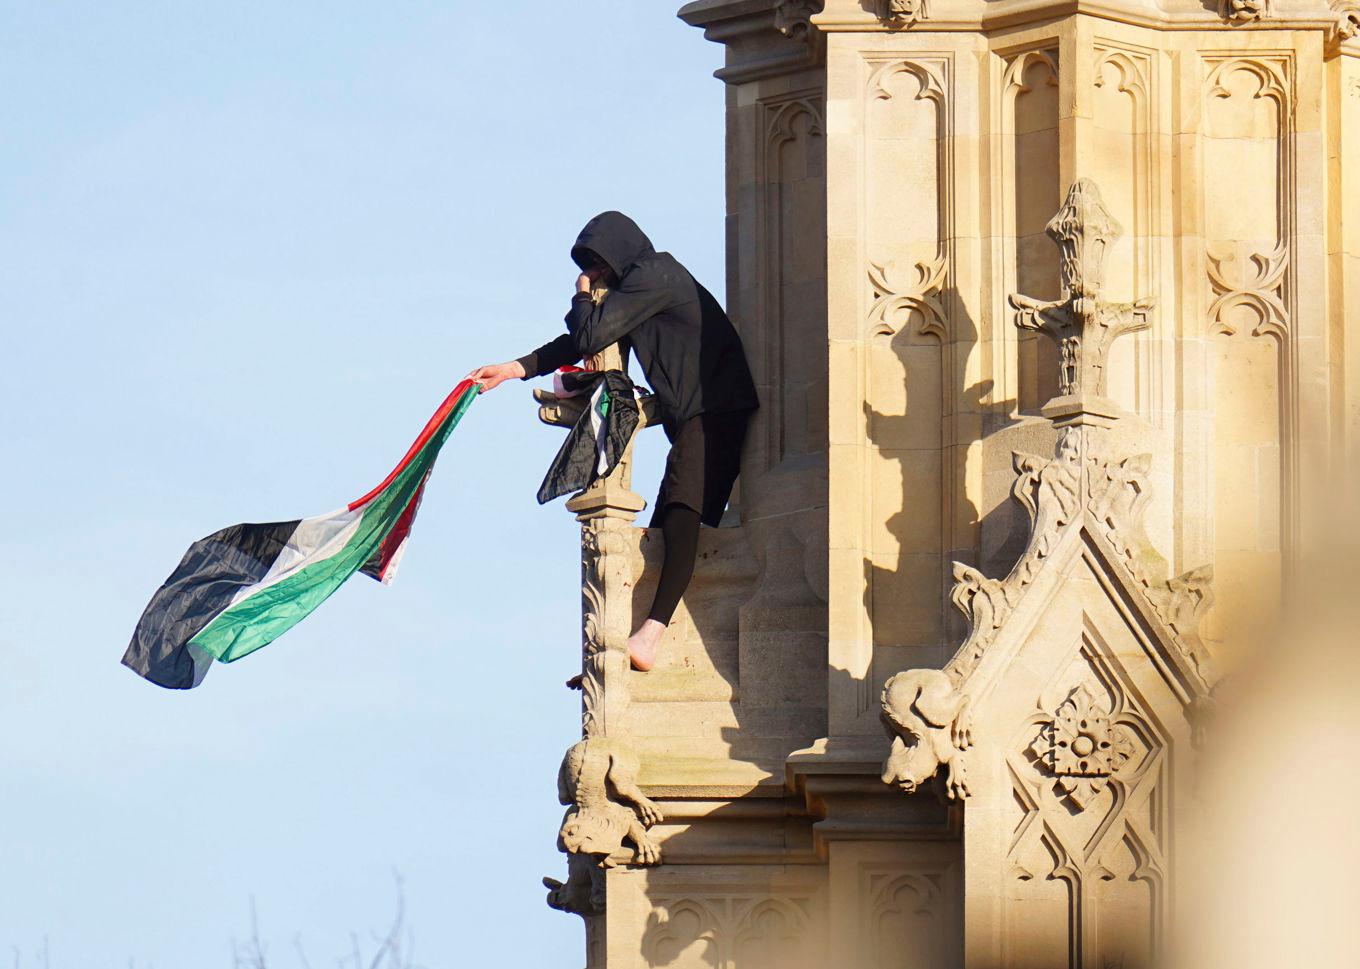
(596, 443)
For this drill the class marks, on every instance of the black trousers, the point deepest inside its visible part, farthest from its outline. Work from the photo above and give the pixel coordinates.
(701, 469)
(702, 466)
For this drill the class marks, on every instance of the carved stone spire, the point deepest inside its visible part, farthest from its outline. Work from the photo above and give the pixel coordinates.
(1082, 323)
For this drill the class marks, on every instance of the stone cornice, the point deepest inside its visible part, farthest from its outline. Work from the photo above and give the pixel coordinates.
(768, 38)
(999, 14)
(720, 18)
(764, 38)
(739, 22)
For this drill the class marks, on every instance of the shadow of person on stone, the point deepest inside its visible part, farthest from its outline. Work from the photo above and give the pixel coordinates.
(922, 514)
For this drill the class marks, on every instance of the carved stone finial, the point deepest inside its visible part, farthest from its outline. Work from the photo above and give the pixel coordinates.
(1082, 323)
(598, 777)
(1084, 230)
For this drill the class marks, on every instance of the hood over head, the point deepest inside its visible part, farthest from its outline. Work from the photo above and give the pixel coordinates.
(613, 237)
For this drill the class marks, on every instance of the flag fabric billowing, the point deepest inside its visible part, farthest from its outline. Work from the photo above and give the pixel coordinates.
(241, 588)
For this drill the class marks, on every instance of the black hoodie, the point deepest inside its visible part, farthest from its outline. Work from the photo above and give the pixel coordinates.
(686, 345)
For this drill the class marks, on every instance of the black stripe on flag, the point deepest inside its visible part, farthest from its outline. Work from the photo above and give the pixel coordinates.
(210, 574)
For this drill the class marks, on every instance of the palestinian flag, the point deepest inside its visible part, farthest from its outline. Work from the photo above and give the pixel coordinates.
(243, 587)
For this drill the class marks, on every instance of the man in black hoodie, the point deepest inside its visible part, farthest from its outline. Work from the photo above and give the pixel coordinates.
(694, 362)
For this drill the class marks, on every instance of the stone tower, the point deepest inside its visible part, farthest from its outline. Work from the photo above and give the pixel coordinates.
(1055, 319)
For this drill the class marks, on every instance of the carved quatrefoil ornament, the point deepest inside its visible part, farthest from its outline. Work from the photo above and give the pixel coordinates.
(1081, 747)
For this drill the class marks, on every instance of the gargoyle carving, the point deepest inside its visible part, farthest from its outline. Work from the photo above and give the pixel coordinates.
(1242, 11)
(598, 782)
(930, 726)
(792, 18)
(1347, 25)
(901, 13)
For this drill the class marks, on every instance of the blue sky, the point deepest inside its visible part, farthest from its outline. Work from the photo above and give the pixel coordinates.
(247, 249)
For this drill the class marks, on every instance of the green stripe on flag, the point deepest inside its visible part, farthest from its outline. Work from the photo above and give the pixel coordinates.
(262, 617)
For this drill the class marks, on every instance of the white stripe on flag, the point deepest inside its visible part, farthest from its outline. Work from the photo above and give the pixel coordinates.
(313, 540)
(599, 425)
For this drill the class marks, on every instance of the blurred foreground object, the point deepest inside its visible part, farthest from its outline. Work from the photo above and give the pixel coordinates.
(1271, 871)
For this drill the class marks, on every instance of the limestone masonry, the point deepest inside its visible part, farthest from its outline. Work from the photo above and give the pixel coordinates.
(1056, 323)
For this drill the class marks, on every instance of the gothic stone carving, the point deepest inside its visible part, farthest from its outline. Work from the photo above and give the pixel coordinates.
(1074, 489)
(1090, 805)
(901, 13)
(735, 925)
(922, 296)
(1082, 323)
(792, 18)
(1242, 11)
(1081, 747)
(1255, 280)
(1081, 487)
(603, 552)
(598, 780)
(1347, 25)
(930, 727)
(1108, 496)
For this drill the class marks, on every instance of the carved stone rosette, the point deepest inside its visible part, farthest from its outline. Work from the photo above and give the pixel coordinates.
(1082, 747)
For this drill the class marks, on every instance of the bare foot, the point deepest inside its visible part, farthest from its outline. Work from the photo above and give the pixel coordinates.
(643, 644)
(577, 682)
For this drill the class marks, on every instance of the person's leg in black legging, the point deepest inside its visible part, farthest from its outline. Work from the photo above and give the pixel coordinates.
(680, 529)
